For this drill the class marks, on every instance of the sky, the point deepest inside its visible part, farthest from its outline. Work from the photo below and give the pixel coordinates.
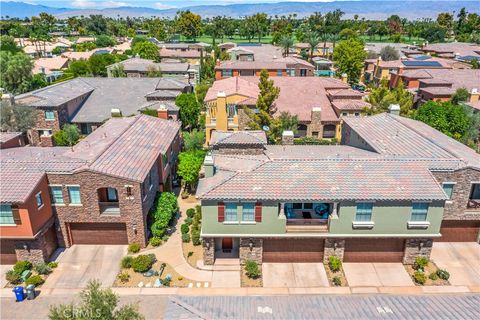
(158, 4)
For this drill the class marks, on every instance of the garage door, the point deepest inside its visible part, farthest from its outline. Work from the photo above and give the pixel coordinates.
(374, 250)
(293, 250)
(7, 252)
(98, 233)
(459, 231)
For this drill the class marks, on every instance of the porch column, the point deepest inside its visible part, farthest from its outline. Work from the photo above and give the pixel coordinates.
(281, 214)
(208, 251)
(334, 209)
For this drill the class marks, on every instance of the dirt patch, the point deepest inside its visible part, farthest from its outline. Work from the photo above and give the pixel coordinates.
(249, 282)
(136, 277)
(196, 253)
(429, 269)
(339, 274)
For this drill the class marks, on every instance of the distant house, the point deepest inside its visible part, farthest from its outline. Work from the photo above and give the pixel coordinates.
(321, 50)
(50, 67)
(98, 192)
(138, 67)
(319, 104)
(89, 102)
(288, 66)
(11, 140)
(452, 50)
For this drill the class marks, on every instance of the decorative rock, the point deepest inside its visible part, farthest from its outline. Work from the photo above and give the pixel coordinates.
(190, 285)
(148, 285)
(199, 285)
(205, 285)
(149, 273)
(157, 283)
(168, 276)
(140, 284)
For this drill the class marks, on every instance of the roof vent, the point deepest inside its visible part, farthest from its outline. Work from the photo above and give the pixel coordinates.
(474, 90)
(116, 112)
(394, 109)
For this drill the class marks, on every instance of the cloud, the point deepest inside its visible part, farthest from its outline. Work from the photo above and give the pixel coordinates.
(159, 5)
(83, 4)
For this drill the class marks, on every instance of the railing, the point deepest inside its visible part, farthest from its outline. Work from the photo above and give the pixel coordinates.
(473, 204)
(109, 208)
(307, 225)
(307, 221)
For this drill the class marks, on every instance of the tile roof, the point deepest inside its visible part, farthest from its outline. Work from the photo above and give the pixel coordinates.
(350, 105)
(402, 137)
(238, 138)
(317, 152)
(298, 95)
(7, 136)
(180, 54)
(327, 180)
(438, 91)
(49, 64)
(460, 78)
(144, 65)
(18, 182)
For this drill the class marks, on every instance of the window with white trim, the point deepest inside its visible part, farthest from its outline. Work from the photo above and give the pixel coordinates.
(231, 212)
(364, 211)
(74, 194)
(448, 189)
(6, 214)
(57, 194)
(248, 212)
(49, 115)
(419, 211)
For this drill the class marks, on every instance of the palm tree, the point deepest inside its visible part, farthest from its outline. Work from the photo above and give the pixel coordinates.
(286, 42)
(313, 40)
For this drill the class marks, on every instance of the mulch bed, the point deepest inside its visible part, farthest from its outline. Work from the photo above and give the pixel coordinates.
(248, 282)
(340, 274)
(430, 268)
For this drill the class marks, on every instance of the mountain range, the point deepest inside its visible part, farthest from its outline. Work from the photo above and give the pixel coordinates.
(367, 9)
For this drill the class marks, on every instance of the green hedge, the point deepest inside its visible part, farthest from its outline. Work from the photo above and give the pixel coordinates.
(163, 210)
(314, 141)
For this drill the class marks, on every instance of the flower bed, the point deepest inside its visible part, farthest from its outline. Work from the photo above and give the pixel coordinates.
(336, 276)
(32, 274)
(426, 273)
(247, 281)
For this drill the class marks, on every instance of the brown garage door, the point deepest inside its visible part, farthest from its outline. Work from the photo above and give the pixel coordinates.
(374, 250)
(7, 252)
(98, 233)
(459, 231)
(293, 250)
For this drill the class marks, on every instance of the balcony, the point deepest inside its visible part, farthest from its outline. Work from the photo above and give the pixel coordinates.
(109, 208)
(473, 204)
(307, 225)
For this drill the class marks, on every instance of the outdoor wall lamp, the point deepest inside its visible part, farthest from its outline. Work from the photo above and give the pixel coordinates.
(335, 245)
(135, 228)
(25, 246)
(208, 245)
(421, 245)
(251, 244)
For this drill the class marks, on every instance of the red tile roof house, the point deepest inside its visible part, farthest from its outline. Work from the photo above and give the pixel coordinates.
(288, 66)
(11, 140)
(98, 192)
(393, 187)
(319, 103)
(89, 102)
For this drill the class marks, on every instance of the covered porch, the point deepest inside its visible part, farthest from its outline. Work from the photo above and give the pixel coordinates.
(308, 216)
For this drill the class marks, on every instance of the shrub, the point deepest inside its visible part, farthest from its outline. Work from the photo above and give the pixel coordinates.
(126, 262)
(198, 209)
(133, 247)
(196, 238)
(189, 254)
(188, 221)
(337, 281)
(163, 210)
(443, 274)
(334, 263)
(166, 281)
(185, 237)
(36, 280)
(123, 277)
(433, 276)
(142, 263)
(21, 266)
(13, 277)
(184, 228)
(420, 263)
(165, 238)
(251, 269)
(152, 257)
(190, 212)
(53, 264)
(155, 241)
(43, 268)
(419, 277)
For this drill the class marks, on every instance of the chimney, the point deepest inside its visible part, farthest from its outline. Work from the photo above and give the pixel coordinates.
(394, 109)
(116, 113)
(221, 115)
(209, 166)
(287, 137)
(162, 112)
(344, 78)
(8, 99)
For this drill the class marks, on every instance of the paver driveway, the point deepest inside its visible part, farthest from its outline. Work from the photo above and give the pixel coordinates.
(294, 275)
(460, 259)
(81, 263)
(376, 275)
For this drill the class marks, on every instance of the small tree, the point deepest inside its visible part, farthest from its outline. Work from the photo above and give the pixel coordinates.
(193, 140)
(103, 41)
(286, 42)
(19, 118)
(154, 72)
(118, 71)
(163, 210)
(265, 102)
(68, 136)
(147, 50)
(189, 166)
(389, 53)
(461, 95)
(95, 303)
(349, 56)
(189, 109)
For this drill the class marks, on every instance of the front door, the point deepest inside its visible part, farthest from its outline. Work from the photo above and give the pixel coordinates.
(227, 244)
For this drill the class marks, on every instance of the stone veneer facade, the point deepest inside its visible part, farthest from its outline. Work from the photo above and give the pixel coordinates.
(255, 253)
(456, 209)
(40, 249)
(208, 251)
(333, 247)
(418, 247)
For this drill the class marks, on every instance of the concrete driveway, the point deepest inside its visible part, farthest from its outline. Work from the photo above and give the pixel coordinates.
(3, 271)
(81, 263)
(376, 275)
(460, 259)
(294, 275)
